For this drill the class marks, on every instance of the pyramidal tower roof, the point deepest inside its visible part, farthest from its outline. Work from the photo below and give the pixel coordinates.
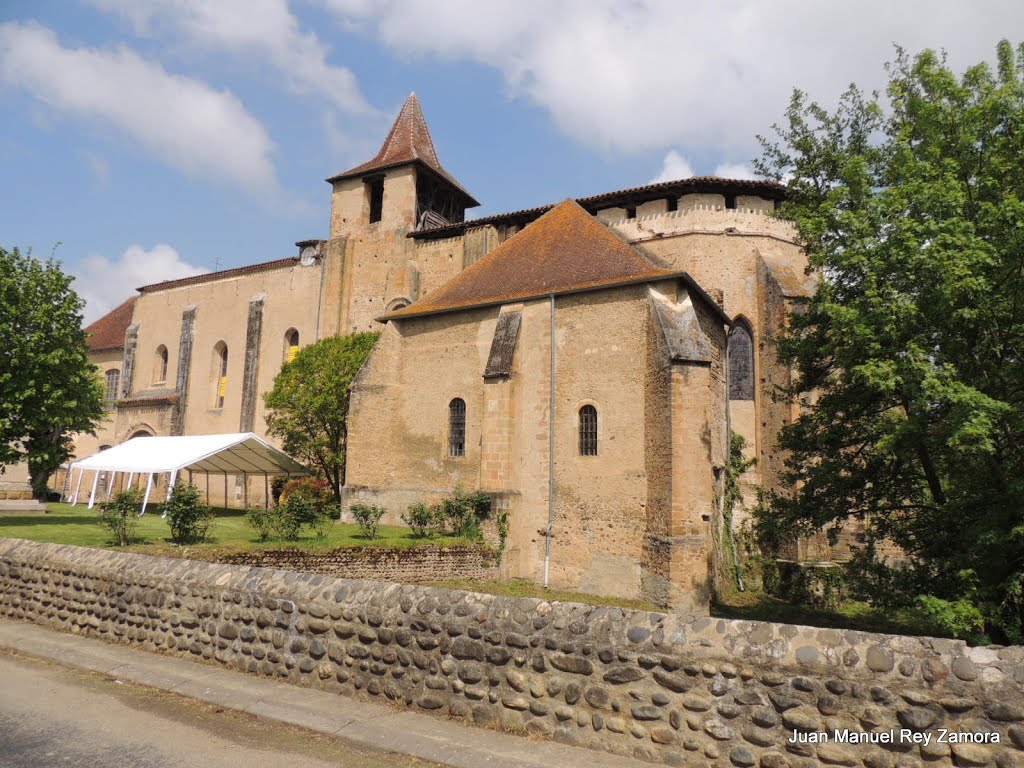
(408, 141)
(564, 251)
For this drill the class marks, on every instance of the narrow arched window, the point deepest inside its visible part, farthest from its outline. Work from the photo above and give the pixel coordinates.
(457, 427)
(113, 381)
(160, 365)
(588, 431)
(291, 344)
(741, 363)
(219, 373)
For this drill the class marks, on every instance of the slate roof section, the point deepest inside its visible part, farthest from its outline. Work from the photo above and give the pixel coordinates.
(408, 141)
(565, 251)
(769, 190)
(249, 269)
(108, 332)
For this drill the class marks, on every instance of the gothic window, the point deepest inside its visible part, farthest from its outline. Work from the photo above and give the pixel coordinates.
(160, 365)
(113, 380)
(741, 363)
(457, 427)
(219, 373)
(588, 431)
(291, 345)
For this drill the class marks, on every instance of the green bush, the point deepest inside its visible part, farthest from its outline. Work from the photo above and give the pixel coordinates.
(961, 618)
(312, 489)
(262, 520)
(421, 518)
(287, 519)
(367, 517)
(120, 515)
(464, 511)
(189, 518)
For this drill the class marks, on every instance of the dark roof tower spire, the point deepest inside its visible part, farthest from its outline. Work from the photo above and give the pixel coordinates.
(408, 141)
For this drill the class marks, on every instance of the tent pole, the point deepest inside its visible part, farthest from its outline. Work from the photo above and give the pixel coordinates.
(266, 491)
(207, 487)
(245, 490)
(95, 482)
(170, 488)
(225, 490)
(190, 477)
(78, 488)
(145, 498)
(131, 477)
(111, 482)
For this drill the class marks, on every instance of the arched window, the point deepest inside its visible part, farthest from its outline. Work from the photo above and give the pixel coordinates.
(741, 362)
(291, 344)
(160, 365)
(457, 427)
(113, 381)
(588, 431)
(219, 373)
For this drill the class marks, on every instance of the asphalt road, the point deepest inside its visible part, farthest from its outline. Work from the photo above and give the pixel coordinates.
(57, 717)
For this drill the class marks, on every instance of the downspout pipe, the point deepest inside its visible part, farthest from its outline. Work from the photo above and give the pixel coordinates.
(551, 450)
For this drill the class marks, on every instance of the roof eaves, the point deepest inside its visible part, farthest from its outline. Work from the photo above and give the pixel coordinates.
(205, 277)
(619, 283)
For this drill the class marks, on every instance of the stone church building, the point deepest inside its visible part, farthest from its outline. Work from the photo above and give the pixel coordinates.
(582, 362)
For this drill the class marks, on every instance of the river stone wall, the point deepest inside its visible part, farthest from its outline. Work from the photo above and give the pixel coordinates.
(676, 689)
(410, 564)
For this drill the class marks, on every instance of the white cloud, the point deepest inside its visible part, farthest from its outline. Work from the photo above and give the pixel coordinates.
(734, 171)
(674, 167)
(184, 121)
(649, 74)
(105, 283)
(265, 30)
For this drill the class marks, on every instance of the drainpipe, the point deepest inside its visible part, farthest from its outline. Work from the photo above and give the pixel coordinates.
(551, 451)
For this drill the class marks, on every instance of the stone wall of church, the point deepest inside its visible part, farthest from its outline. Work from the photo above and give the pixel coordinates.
(674, 689)
(605, 505)
(222, 310)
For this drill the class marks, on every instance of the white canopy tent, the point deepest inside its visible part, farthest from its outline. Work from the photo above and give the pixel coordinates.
(243, 454)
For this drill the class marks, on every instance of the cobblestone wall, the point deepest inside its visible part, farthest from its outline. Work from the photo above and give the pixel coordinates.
(676, 689)
(411, 565)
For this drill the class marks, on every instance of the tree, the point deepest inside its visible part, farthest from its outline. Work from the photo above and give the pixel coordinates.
(48, 388)
(912, 211)
(308, 405)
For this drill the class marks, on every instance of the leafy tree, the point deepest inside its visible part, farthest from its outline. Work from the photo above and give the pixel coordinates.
(912, 210)
(308, 404)
(48, 388)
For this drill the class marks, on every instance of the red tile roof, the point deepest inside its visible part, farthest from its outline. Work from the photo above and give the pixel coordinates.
(249, 269)
(408, 142)
(108, 332)
(566, 250)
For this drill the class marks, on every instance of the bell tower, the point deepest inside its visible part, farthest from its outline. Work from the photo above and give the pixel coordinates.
(403, 186)
(370, 262)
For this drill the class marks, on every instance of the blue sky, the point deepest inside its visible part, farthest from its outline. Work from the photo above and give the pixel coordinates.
(159, 138)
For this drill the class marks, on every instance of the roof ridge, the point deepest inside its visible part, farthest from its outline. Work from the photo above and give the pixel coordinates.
(565, 250)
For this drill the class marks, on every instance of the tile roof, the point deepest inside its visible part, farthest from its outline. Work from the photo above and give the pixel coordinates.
(565, 251)
(249, 269)
(108, 332)
(408, 141)
(770, 190)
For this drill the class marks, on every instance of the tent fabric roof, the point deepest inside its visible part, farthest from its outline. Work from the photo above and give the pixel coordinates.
(232, 454)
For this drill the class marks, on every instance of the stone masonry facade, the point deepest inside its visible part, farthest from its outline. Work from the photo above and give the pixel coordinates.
(672, 689)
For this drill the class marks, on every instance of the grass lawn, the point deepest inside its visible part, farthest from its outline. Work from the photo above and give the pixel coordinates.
(64, 524)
